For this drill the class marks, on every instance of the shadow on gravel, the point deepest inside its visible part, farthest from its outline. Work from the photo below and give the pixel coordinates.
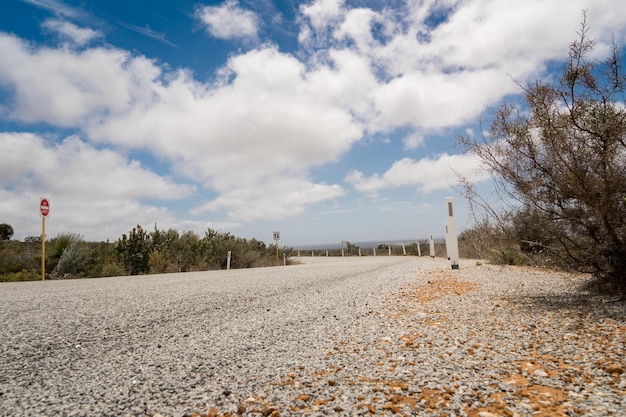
(599, 306)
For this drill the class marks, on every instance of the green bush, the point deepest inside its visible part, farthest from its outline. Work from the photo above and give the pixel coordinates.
(23, 275)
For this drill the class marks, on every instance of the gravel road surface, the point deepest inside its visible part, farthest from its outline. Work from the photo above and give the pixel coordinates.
(333, 336)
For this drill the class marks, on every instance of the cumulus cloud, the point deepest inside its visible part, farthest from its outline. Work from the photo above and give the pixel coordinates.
(279, 198)
(228, 20)
(413, 141)
(96, 189)
(244, 138)
(323, 13)
(67, 88)
(426, 174)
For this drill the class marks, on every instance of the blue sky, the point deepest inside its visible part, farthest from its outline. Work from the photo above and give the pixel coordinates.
(325, 120)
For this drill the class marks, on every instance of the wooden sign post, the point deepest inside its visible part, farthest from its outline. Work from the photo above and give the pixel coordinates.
(276, 239)
(44, 209)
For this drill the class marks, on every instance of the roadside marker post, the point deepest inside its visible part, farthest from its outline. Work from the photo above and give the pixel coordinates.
(452, 242)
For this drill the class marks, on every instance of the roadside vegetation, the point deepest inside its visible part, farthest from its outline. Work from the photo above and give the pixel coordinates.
(136, 253)
(559, 166)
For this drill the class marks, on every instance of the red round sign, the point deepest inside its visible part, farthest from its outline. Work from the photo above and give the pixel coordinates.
(44, 207)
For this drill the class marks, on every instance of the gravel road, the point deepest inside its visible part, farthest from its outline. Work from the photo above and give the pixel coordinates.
(347, 336)
(174, 343)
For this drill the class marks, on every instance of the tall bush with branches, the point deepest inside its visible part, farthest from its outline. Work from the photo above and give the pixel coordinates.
(562, 161)
(134, 251)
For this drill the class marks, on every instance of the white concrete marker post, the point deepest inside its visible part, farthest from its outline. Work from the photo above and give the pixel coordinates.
(359, 251)
(374, 250)
(403, 250)
(452, 241)
(228, 260)
(419, 250)
(284, 259)
(432, 246)
(389, 250)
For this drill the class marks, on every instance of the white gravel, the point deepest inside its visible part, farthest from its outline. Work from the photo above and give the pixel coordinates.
(354, 335)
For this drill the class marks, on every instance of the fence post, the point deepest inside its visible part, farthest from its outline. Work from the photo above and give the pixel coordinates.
(432, 246)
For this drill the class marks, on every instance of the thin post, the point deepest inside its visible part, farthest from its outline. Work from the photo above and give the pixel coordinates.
(43, 248)
(432, 246)
(452, 241)
(277, 260)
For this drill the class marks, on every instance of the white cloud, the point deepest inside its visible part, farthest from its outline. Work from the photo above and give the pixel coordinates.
(318, 20)
(55, 6)
(279, 198)
(434, 100)
(413, 141)
(96, 191)
(66, 88)
(268, 124)
(357, 27)
(70, 32)
(426, 174)
(323, 13)
(228, 21)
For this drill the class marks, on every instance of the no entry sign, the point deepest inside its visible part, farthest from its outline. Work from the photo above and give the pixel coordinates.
(44, 207)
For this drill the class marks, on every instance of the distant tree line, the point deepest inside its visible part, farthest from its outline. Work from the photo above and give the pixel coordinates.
(137, 252)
